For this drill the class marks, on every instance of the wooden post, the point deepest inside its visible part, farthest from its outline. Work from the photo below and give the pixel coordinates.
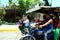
(14, 12)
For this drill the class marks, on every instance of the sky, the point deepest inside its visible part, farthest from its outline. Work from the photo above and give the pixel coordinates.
(54, 2)
(5, 2)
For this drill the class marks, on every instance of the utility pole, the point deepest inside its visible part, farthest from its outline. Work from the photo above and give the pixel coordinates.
(14, 11)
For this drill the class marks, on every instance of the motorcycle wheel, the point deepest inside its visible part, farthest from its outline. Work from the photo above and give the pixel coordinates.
(28, 38)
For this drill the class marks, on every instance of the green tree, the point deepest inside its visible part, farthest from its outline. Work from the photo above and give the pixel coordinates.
(10, 3)
(26, 4)
(21, 4)
(0, 12)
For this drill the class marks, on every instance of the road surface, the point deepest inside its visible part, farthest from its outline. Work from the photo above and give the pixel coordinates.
(10, 35)
(10, 32)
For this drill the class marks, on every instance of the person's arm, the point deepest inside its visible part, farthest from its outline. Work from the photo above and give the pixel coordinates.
(58, 26)
(50, 21)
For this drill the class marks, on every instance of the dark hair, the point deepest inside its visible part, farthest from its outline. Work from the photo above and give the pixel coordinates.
(47, 14)
(56, 16)
(44, 17)
(28, 16)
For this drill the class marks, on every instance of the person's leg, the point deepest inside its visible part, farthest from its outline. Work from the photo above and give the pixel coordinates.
(26, 30)
(38, 34)
(56, 34)
(45, 34)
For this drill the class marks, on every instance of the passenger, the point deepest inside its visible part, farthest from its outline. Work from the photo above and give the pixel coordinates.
(26, 21)
(26, 24)
(56, 20)
(48, 26)
(21, 22)
(57, 27)
(38, 19)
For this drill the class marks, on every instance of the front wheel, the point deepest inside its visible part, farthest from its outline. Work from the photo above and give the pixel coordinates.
(28, 38)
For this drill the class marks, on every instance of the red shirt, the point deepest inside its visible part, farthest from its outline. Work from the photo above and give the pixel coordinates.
(56, 21)
(20, 22)
(37, 21)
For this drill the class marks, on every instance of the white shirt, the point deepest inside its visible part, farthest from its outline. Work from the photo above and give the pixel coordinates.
(26, 22)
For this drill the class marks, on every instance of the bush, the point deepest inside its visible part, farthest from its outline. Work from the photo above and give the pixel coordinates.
(17, 18)
(0, 21)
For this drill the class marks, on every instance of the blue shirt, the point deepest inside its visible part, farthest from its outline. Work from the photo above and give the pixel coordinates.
(49, 26)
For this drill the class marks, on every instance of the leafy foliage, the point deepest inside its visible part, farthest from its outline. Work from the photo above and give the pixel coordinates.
(26, 4)
(0, 12)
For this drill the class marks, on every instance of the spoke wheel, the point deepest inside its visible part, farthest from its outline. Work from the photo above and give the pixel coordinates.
(28, 38)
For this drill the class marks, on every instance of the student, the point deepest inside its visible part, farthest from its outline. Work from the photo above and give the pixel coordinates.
(57, 27)
(26, 24)
(56, 20)
(26, 21)
(21, 24)
(48, 25)
(38, 18)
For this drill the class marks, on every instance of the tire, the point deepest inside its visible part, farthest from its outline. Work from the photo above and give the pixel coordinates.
(28, 38)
